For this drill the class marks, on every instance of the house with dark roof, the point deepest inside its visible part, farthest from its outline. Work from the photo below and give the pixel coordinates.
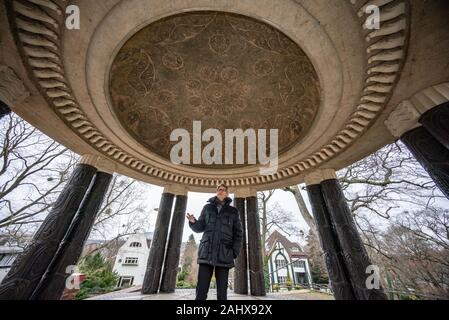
(286, 261)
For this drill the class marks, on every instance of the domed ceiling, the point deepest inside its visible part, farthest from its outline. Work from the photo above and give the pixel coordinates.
(229, 71)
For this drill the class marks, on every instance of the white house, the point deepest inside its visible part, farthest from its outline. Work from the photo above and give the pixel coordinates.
(7, 257)
(287, 259)
(131, 260)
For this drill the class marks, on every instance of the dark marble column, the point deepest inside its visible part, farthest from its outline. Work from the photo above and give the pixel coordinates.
(4, 109)
(436, 121)
(431, 154)
(28, 269)
(173, 253)
(158, 244)
(354, 253)
(255, 259)
(333, 257)
(241, 265)
(53, 282)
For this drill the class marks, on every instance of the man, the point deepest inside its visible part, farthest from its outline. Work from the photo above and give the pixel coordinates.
(220, 243)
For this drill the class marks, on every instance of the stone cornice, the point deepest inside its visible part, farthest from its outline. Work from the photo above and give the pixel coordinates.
(40, 45)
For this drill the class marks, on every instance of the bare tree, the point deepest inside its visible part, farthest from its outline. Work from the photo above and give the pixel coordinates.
(413, 252)
(263, 198)
(302, 207)
(33, 170)
(315, 256)
(387, 179)
(396, 208)
(273, 216)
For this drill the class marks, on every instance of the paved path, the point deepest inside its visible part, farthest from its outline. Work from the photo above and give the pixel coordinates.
(189, 294)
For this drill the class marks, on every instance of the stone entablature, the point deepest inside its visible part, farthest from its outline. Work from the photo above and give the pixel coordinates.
(40, 44)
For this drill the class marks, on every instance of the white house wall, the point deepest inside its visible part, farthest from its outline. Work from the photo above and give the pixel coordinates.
(136, 271)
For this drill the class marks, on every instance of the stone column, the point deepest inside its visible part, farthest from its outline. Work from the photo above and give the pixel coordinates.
(28, 269)
(255, 259)
(333, 256)
(436, 121)
(241, 263)
(173, 253)
(428, 148)
(4, 109)
(152, 277)
(431, 154)
(53, 282)
(354, 253)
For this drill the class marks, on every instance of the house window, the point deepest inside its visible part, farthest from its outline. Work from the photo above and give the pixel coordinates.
(125, 281)
(135, 244)
(299, 264)
(131, 261)
(282, 279)
(280, 263)
(300, 277)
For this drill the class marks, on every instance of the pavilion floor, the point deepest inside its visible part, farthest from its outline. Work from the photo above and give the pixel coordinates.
(133, 293)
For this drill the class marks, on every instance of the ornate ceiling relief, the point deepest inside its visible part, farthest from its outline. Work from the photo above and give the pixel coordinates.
(38, 27)
(227, 70)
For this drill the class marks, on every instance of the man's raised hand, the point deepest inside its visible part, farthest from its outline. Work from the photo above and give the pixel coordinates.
(191, 218)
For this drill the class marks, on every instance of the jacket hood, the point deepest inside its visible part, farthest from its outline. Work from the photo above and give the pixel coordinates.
(214, 200)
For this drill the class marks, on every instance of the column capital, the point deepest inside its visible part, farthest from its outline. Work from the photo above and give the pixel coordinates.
(244, 192)
(101, 163)
(12, 89)
(176, 189)
(407, 113)
(315, 177)
(402, 119)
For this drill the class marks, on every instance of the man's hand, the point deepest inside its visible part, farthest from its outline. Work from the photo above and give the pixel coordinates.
(191, 218)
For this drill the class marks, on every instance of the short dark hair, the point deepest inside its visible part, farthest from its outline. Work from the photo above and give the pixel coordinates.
(222, 185)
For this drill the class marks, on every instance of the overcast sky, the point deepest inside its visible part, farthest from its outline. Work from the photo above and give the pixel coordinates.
(197, 200)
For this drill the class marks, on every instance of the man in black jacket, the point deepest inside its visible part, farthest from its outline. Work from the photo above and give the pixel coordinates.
(220, 243)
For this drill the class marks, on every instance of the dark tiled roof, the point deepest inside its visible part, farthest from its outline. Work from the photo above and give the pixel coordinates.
(287, 244)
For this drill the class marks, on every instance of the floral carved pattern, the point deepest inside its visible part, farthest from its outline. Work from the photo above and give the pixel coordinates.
(227, 70)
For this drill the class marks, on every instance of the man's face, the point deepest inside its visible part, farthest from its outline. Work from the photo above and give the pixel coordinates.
(222, 193)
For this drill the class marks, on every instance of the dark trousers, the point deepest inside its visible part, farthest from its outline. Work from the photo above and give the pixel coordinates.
(205, 274)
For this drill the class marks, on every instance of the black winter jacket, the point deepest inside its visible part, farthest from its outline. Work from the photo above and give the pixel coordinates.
(222, 237)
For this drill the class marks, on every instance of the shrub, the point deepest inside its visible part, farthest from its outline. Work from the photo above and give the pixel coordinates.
(99, 276)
